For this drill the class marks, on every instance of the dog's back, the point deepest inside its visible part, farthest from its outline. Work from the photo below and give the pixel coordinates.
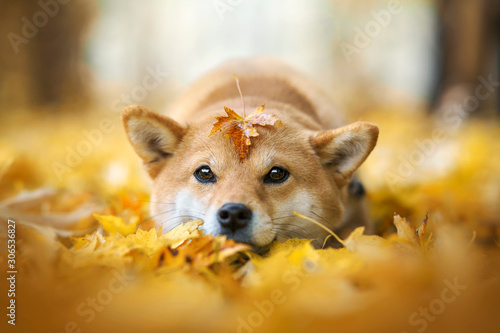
(265, 79)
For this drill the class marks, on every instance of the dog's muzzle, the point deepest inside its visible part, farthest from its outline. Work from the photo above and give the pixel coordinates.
(234, 216)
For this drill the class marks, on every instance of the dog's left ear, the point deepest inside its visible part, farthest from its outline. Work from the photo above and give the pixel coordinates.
(345, 149)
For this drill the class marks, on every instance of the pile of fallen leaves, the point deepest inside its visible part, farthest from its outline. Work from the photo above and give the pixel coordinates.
(88, 258)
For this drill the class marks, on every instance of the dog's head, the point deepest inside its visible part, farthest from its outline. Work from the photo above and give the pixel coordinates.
(287, 169)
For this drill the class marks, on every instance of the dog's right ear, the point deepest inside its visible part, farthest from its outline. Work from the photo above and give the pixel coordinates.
(153, 136)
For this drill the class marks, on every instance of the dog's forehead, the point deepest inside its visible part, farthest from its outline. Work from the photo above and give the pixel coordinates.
(272, 145)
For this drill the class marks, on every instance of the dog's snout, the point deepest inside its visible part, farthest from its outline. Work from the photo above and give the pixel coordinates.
(234, 216)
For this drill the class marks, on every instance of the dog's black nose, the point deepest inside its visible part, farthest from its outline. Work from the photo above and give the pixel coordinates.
(234, 216)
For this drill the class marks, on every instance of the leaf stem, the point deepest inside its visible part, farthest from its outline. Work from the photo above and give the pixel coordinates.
(241, 95)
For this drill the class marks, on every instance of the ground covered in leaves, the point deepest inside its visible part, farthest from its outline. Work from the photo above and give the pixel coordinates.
(88, 259)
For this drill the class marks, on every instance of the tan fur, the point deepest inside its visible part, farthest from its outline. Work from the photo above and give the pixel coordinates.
(320, 156)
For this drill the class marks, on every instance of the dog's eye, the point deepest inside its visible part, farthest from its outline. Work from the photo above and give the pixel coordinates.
(205, 175)
(276, 175)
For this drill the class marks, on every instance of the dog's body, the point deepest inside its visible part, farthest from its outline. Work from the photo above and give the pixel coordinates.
(304, 167)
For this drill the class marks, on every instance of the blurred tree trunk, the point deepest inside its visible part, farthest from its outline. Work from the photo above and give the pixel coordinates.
(471, 43)
(42, 52)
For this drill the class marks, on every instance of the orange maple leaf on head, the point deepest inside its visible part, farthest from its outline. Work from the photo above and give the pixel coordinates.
(242, 129)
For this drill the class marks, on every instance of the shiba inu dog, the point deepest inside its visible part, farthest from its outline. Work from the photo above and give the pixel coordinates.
(307, 166)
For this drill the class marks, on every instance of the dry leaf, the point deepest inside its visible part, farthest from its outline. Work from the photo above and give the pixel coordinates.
(183, 232)
(405, 230)
(113, 224)
(241, 129)
(357, 241)
(184, 272)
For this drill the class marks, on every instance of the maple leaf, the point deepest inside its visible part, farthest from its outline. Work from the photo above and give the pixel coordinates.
(242, 129)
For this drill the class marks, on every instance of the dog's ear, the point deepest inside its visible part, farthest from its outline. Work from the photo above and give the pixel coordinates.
(153, 136)
(345, 148)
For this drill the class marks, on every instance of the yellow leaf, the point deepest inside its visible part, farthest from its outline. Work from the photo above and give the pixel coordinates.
(114, 224)
(182, 232)
(143, 239)
(405, 230)
(79, 242)
(358, 242)
(288, 245)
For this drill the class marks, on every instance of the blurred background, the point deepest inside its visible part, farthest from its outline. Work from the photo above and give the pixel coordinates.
(419, 53)
(426, 71)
